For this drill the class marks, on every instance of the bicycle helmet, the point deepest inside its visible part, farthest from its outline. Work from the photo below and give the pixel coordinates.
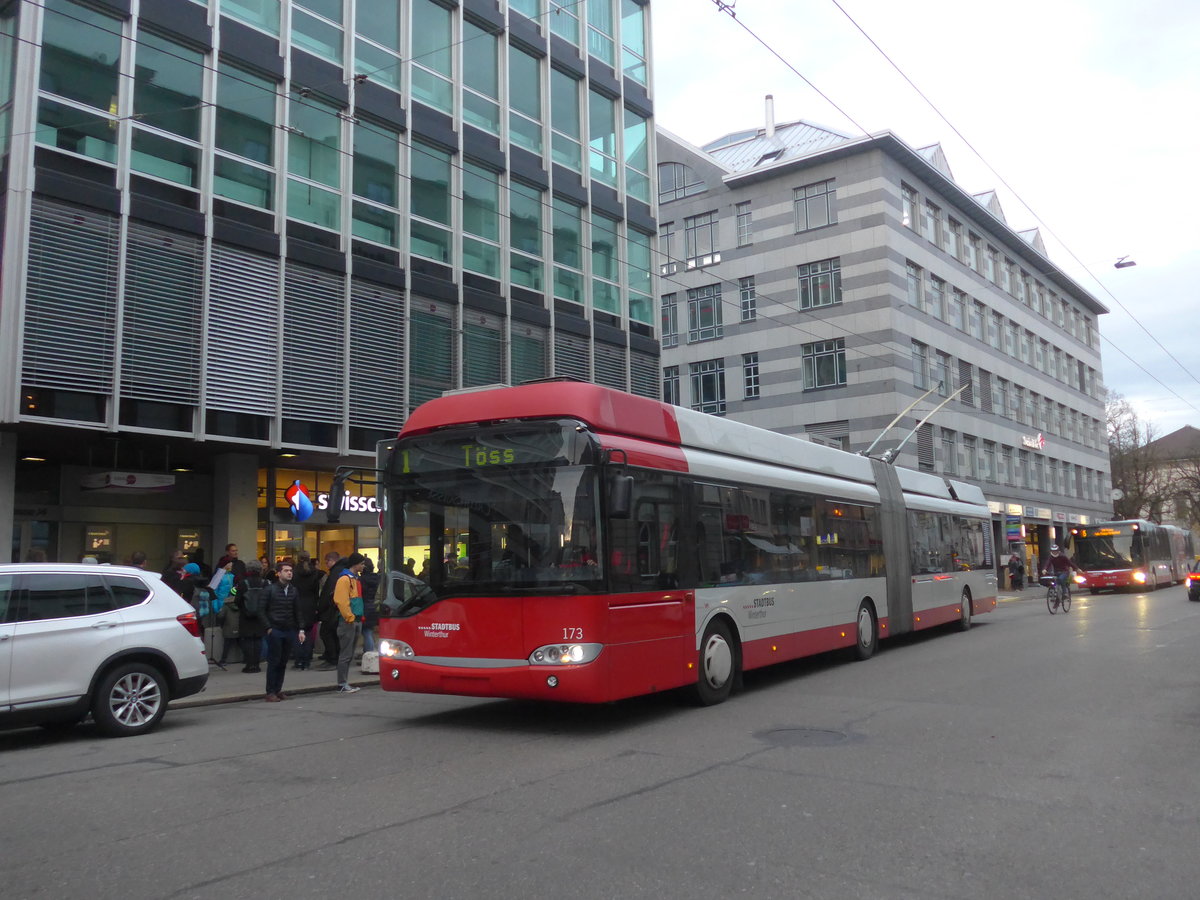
(1054, 548)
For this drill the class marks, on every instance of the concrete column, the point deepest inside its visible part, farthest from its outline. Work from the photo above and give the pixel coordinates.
(235, 504)
(8, 491)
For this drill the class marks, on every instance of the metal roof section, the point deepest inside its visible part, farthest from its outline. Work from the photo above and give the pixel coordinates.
(747, 150)
(1034, 237)
(989, 201)
(934, 155)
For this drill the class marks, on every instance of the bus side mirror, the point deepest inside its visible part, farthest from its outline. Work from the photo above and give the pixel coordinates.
(337, 491)
(620, 496)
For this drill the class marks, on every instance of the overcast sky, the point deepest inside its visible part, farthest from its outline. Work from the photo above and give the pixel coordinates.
(1089, 110)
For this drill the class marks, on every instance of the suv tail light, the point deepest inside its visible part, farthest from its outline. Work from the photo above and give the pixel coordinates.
(189, 621)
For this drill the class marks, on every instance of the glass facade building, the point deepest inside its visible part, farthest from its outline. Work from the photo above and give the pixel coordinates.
(261, 227)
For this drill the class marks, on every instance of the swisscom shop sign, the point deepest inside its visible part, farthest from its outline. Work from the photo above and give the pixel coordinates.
(302, 506)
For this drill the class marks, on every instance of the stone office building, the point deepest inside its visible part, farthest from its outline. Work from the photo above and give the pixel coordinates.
(815, 283)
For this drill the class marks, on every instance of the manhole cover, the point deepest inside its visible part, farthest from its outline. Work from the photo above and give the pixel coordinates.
(804, 737)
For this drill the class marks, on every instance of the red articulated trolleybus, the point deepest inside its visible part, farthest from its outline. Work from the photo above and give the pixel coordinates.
(1130, 555)
(581, 544)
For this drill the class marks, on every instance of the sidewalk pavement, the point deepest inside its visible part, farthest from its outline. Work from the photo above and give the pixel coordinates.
(231, 684)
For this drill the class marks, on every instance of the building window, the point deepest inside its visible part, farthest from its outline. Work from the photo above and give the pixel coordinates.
(379, 24)
(914, 286)
(820, 283)
(920, 365)
(524, 99)
(633, 41)
(978, 313)
(931, 227)
(949, 452)
(429, 203)
(991, 264)
(606, 269)
(676, 181)
(708, 386)
(956, 308)
(745, 227)
(600, 42)
(700, 235)
(568, 246)
(972, 467)
(565, 147)
(973, 251)
(433, 55)
(943, 374)
(750, 375)
(908, 207)
(749, 298)
(638, 275)
(526, 267)
(815, 205)
(935, 297)
(989, 460)
(602, 132)
(635, 141)
(954, 239)
(704, 313)
(824, 363)
(666, 238)
(670, 385)
(670, 321)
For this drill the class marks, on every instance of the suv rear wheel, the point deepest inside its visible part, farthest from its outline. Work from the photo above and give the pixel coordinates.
(131, 699)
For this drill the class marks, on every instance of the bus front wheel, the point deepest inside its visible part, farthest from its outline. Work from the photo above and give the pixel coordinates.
(717, 664)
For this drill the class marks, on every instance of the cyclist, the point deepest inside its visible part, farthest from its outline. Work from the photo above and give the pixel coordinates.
(1060, 566)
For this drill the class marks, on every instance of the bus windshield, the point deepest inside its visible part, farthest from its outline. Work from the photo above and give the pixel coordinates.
(482, 531)
(1112, 551)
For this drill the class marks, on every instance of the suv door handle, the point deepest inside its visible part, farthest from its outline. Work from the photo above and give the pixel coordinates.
(104, 624)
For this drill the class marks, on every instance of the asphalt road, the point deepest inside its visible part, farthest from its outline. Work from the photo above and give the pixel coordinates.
(1032, 757)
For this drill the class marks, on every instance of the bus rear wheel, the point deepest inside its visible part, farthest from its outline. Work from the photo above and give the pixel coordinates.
(964, 616)
(867, 640)
(717, 664)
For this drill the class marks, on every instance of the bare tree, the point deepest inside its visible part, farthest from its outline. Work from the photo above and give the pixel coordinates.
(1137, 476)
(1187, 491)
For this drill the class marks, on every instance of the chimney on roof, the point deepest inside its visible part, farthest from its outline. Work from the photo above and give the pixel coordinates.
(770, 116)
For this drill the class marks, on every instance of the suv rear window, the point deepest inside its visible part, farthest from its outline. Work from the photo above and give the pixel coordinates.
(127, 590)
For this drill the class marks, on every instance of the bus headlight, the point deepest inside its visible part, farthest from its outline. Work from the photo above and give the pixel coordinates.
(565, 654)
(1139, 577)
(391, 648)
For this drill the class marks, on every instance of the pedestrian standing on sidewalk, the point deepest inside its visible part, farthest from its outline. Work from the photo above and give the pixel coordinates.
(327, 613)
(307, 579)
(283, 630)
(250, 598)
(230, 619)
(347, 597)
(370, 617)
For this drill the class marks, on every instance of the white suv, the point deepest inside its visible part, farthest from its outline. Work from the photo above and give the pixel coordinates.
(109, 640)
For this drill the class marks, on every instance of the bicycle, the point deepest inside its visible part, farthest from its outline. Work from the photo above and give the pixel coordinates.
(1058, 596)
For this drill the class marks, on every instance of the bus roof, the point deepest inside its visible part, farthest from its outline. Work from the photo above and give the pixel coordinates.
(609, 411)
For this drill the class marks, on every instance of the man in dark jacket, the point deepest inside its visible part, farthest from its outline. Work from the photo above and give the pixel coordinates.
(283, 629)
(307, 580)
(327, 613)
